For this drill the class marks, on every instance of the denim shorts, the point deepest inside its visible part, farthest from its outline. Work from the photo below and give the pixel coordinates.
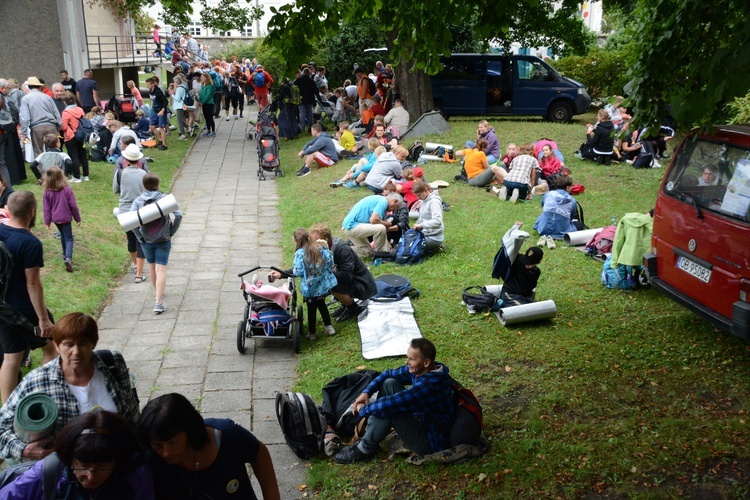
(159, 121)
(157, 253)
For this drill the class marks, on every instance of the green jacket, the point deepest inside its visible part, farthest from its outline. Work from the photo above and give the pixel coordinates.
(207, 94)
(632, 240)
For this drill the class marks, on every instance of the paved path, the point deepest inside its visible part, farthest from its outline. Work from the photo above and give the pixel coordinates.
(231, 223)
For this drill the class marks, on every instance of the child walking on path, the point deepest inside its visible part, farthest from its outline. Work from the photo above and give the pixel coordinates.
(313, 264)
(60, 207)
(156, 238)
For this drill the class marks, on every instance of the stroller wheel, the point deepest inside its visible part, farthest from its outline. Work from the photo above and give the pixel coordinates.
(296, 336)
(241, 337)
(279, 173)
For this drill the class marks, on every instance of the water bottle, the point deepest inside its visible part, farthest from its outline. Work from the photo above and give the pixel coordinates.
(614, 220)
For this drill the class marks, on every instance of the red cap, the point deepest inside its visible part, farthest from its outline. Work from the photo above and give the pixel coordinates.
(418, 172)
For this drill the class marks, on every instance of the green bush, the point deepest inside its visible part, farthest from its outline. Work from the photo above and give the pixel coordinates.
(603, 72)
(739, 110)
(255, 49)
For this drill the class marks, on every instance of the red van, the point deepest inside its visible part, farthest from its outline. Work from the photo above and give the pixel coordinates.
(700, 254)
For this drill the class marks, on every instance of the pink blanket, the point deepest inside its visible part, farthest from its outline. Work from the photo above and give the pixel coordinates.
(279, 294)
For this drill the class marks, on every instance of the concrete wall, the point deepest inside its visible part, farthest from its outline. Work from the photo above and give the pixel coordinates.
(31, 40)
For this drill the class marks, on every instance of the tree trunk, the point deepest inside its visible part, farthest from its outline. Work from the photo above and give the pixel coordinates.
(414, 86)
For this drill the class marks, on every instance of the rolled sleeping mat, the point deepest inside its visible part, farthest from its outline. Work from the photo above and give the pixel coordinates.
(577, 238)
(148, 213)
(35, 417)
(430, 147)
(494, 289)
(431, 158)
(535, 311)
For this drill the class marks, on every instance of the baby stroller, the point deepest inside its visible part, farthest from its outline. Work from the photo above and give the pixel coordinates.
(128, 107)
(271, 310)
(267, 135)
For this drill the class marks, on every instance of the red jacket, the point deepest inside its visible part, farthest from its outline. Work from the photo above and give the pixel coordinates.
(71, 118)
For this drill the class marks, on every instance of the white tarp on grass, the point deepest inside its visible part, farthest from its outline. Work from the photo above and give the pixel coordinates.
(386, 328)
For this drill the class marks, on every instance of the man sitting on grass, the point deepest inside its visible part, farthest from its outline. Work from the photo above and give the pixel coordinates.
(421, 415)
(320, 150)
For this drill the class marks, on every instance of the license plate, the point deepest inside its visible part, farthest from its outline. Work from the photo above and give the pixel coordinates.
(694, 269)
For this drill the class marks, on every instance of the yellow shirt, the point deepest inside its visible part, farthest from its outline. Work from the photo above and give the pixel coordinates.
(347, 140)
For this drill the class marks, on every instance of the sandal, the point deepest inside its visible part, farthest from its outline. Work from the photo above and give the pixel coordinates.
(332, 442)
(140, 279)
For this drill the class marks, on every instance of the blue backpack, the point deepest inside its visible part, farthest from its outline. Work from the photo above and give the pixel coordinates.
(411, 248)
(218, 84)
(623, 277)
(392, 287)
(85, 129)
(259, 79)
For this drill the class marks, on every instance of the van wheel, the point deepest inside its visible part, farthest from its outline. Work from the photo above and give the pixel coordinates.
(560, 112)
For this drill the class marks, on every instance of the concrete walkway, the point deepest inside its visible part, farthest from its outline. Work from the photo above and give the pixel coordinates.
(230, 224)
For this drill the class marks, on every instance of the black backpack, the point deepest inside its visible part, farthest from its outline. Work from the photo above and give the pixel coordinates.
(302, 423)
(467, 427)
(393, 287)
(411, 248)
(578, 220)
(85, 129)
(371, 86)
(478, 299)
(415, 151)
(123, 378)
(158, 230)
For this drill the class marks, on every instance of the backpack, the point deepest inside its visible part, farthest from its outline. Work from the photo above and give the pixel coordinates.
(259, 79)
(301, 422)
(578, 220)
(234, 87)
(188, 99)
(51, 470)
(6, 269)
(371, 87)
(415, 151)
(411, 247)
(296, 98)
(622, 277)
(602, 241)
(467, 427)
(114, 106)
(392, 287)
(158, 230)
(85, 129)
(483, 301)
(109, 359)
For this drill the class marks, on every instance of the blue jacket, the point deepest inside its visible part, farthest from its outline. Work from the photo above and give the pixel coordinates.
(324, 144)
(557, 214)
(430, 399)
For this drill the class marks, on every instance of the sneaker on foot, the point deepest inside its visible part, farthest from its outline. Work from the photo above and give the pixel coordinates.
(495, 189)
(350, 312)
(330, 330)
(542, 241)
(514, 196)
(312, 337)
(235, 117)
(303, 172)
(181, 138)
(68, 265)
(550, 242)
(207, 134)
(162, 147)
(503, 193)
(352, 454)
(336, 184)
(74, 180)
(227, 118)
(352, 184)
(86, 178)
(159, 308)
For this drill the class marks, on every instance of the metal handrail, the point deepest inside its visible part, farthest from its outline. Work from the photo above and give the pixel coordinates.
(134, 49)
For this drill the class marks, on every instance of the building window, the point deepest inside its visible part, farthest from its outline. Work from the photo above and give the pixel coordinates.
(225, 33)
(195, 29)
(248, 31)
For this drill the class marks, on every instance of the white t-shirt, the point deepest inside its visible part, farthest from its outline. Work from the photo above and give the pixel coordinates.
(94, 395)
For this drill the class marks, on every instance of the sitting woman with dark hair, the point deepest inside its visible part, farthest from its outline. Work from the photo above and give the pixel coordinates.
(558, 211)
(196, 458)
(97, 456)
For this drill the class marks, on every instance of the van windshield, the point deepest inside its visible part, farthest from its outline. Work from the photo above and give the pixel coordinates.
(712, 176)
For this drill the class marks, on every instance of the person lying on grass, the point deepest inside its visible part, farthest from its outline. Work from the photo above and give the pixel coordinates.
(422, 415)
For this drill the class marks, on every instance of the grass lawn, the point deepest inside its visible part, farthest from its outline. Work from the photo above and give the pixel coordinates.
(622, 394)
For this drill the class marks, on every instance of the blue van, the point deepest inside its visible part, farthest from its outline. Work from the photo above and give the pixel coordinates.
(513, 85)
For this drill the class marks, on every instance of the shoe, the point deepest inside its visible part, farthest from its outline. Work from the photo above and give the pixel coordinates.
(212, 134)
(338, 311)
(86, 178)
(172, 127)
(74, 180)
(629, 162)
(132, 266)
(235, 117)
(207, 134)
(227, 119)
(181, 138)
(159, 308)
(39, 182)
(329, 329)
(191, 131)
(550, 243)
(332, 442)
(514, 196)
(542, 241)
(140, 279)
(336, 184)
(303, 172)
(312, 337)
(240, 115)
(58, 236)
(162, 147)
(149, 159)
(351, 184)
(494, 189)
(68, 265)
(503, 193)
(350, 312)
(351, 455)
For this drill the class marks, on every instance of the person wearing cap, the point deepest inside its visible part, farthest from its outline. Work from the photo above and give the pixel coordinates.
(518, 289)
(261, 86)
(38, 115)
(367, 219)
(128, 183)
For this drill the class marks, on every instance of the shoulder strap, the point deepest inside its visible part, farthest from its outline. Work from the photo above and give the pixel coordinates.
(50, 473)
(106, 356)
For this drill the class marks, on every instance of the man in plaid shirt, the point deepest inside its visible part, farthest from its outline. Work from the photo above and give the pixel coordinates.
(421, 415)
